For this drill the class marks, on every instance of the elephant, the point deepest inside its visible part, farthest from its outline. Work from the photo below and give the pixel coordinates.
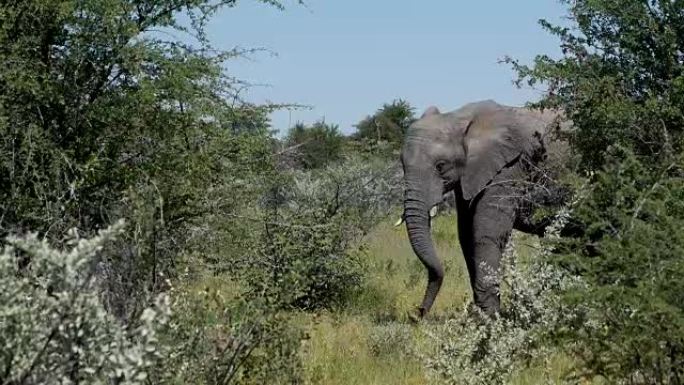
(485, 153)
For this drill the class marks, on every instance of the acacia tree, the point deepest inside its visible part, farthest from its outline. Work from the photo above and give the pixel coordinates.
(91, 100)
(621, 81)
(114, 109)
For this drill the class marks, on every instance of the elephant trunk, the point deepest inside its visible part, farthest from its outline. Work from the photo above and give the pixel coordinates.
(417, 217)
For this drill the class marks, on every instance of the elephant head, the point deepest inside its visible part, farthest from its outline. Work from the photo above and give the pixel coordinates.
(463, 150)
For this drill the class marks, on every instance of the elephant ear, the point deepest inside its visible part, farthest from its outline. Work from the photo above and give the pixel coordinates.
(492, 141)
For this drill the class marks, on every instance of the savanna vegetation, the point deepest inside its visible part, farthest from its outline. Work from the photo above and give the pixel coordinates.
(156, 230)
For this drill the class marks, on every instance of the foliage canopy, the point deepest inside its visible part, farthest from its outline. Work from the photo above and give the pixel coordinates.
(621, 82)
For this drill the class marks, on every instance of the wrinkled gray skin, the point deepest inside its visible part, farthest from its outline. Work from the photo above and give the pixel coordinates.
(481, 151)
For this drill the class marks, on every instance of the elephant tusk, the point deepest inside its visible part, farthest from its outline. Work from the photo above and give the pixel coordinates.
(433, 213)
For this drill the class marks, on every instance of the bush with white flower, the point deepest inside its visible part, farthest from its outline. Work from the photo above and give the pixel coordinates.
(54, 328)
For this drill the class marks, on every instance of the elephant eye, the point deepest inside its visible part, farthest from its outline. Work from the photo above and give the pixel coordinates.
(441, 166)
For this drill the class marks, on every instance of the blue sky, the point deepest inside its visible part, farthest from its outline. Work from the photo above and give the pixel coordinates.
(347, 58)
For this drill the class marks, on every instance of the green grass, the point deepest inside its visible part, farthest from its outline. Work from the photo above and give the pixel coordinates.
(396, 278)
(352, 345)
(339, 352)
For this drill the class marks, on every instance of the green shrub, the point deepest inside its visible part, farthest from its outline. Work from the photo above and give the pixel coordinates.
(631, 259)
(101, 117)
(310, 227)
(187, 218)
(620, 80)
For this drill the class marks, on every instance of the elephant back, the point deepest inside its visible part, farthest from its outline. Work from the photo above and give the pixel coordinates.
(469, 110)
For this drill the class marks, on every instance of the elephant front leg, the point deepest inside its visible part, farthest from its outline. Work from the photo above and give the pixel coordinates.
(493, 219)
(485, 282)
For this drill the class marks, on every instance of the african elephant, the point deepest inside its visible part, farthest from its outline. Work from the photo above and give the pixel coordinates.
(484, 153)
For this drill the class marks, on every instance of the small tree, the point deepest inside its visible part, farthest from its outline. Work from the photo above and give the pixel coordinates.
(311, 225)
(388, 125)
(315, 146)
